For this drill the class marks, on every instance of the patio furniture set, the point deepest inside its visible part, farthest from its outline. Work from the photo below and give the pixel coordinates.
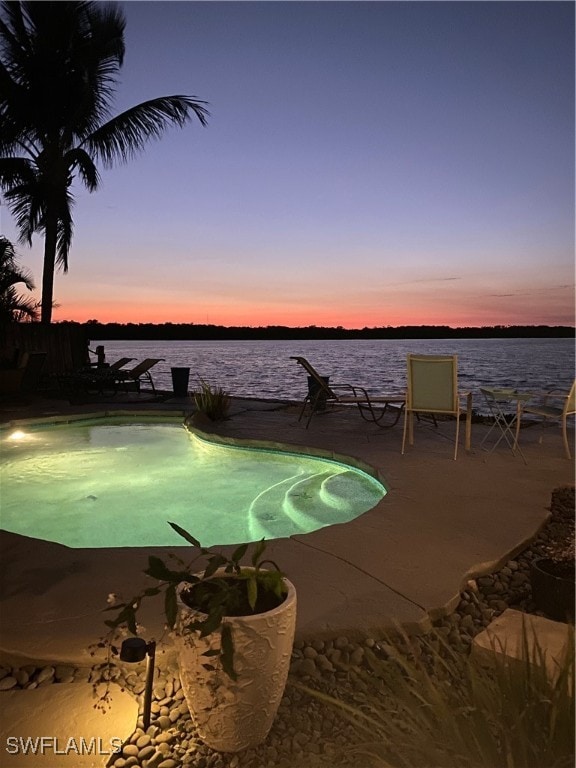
(112, 378)
(432, 390)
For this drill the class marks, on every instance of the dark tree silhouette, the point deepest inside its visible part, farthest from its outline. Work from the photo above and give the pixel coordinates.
(59, 64)
(14, 306)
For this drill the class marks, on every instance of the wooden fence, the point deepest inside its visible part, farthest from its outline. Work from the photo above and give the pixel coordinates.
(66, 344)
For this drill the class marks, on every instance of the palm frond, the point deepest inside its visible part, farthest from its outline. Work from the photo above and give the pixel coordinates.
(127, 133)
(10, 278)
(78, 159)
(13, 306)
(16, 170)
(27, 209)
(66, 58)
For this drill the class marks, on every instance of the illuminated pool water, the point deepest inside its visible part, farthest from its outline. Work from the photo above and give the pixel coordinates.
(95, 484)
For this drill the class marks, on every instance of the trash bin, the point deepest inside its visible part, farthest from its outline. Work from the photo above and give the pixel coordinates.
(180, 378)
(313, 388)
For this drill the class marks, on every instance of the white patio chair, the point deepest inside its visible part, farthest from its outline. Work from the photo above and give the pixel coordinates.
(433, 389)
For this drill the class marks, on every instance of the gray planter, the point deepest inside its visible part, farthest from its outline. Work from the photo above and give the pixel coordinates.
(553, 588)
(180, 378)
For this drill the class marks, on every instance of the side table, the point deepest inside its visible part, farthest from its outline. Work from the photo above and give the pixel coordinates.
(504, 424)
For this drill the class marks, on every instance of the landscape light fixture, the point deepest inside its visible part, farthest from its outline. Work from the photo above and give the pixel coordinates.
(135, 649)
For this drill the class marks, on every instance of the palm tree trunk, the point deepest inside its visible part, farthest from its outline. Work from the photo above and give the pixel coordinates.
(48, 269)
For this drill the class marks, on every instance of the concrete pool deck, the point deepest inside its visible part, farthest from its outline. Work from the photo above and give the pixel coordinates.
(441, 523)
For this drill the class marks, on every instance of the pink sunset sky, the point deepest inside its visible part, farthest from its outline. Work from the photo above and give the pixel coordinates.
(365, 164)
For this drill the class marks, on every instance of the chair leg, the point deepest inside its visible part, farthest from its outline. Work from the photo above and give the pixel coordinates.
(408, 429)
(518, 419)
(565, 437)
(468, 437)
(406, 417)
(457, 435)
(310, 417)
(369, 408)
(303, 408)
(313, 404)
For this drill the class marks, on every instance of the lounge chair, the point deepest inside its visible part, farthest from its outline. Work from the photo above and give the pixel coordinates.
(371, 407)
(433, 389)
(94, 377)
(117, 364)
(106, 367)
(109, 379)
(136, 375)
(544, 408)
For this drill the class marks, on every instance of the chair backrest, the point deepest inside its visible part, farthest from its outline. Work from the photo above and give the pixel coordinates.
(120, 363)
(318, 379)
(144, 366)
(433, 383)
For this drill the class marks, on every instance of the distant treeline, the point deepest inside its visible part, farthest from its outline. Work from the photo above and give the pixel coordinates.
(96, 331)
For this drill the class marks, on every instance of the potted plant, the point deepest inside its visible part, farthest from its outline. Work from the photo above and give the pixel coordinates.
(553, 575)
(233, 628)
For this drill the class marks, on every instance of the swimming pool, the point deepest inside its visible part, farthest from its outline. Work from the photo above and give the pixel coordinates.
(117, 483)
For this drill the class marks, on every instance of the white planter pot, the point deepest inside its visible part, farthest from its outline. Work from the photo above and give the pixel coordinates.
(232, 715)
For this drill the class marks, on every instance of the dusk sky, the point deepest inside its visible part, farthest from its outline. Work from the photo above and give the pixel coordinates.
(365, 164)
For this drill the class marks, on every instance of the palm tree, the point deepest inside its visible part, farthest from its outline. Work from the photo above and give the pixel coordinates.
(14, 307)
(59, 63)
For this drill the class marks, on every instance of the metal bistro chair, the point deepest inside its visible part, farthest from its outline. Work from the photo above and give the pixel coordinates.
(546, 410)
(433, 389)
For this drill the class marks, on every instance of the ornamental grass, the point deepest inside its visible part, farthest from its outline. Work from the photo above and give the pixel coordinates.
(439, 708)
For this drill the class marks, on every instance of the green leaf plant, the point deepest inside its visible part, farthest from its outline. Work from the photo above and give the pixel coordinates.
(223, 589)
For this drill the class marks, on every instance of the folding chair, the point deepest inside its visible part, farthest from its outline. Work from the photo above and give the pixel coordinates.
(433, 389)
